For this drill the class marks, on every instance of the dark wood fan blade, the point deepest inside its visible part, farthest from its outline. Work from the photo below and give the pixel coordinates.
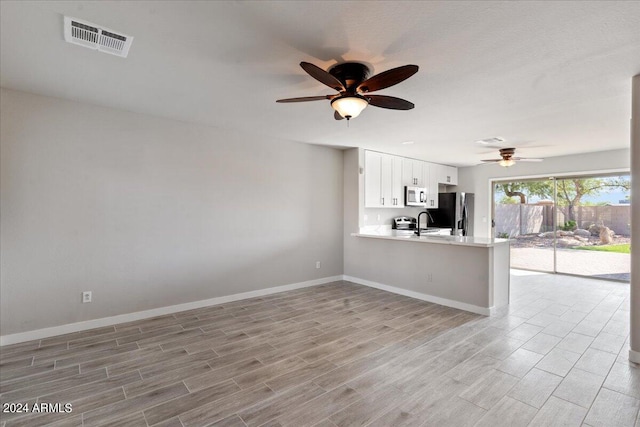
(387, 78)
(322, 76)
(337, 116)
(491, 160)
(306, 98)
(390, 102)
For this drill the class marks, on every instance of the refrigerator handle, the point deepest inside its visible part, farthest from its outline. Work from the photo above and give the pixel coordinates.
(464, 219)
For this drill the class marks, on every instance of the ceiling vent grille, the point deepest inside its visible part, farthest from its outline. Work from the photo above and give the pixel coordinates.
(496, 140)
(90, 35)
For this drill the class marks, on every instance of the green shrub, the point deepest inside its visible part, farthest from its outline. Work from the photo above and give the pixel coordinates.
(570, 225)
(503, 235)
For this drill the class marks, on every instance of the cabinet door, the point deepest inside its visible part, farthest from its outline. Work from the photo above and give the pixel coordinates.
(392, 188)
(407, 172)
(397, 189)
(454, 175)
(432, 188)
(448, 175)
(418, 173)
(413, 173)
(372, 179)
(387, 181)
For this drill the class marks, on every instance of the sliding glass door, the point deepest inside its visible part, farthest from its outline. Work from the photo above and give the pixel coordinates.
(593, 220)
(573, 225)
(524, 213)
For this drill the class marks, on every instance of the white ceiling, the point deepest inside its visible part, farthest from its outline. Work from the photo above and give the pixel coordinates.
(553, 78)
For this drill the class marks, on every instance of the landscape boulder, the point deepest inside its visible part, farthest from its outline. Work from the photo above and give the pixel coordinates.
(582, 232)
(606, 235)
(571, 241)
(594, 229)
(564, 242)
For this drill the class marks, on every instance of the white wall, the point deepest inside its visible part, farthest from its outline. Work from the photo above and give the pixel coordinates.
(476, 179)
(148, 212)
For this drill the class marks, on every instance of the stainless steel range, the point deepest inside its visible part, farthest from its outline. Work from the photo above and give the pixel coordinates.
(408, 225)
(404, 223)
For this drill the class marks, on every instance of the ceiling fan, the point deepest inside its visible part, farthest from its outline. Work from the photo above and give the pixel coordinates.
(351, 80)
(508, 159)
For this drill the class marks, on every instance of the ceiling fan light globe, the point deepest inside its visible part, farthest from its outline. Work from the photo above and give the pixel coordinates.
(506, 162)
(349, 106)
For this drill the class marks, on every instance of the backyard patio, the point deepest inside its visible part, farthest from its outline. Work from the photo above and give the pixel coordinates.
(533, 252)
(595, 243)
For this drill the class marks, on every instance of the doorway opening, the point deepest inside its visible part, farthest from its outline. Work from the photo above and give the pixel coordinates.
(577, 225)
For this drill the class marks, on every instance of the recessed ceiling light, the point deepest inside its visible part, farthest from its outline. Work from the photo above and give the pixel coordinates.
(408, 142)
(491, 141)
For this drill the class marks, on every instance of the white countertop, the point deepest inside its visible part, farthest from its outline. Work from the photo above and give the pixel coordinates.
(385, 233)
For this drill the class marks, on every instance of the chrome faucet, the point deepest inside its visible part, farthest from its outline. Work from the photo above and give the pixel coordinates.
(429, 217)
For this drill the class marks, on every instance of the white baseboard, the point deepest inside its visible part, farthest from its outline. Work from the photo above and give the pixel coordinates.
(425, 297)
(634, 356)
(139, 315)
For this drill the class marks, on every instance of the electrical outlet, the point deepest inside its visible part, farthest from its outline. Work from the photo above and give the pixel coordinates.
(317, 264)
(430, 277)
(86, 296)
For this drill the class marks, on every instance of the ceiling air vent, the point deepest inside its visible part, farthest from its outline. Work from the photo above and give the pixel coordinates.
(496, 140)
(90, 35)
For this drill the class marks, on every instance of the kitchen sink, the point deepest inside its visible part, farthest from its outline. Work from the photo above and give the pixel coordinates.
(404, 232)
(430, 230)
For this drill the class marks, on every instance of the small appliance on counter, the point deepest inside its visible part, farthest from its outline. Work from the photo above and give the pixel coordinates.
(455, 211)
(403, 223)
(409, 225)
(415, 196)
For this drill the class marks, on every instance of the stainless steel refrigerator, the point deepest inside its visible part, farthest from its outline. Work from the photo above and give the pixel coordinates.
(455, 211)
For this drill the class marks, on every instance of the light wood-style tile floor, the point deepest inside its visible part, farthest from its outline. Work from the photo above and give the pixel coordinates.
(342, 354)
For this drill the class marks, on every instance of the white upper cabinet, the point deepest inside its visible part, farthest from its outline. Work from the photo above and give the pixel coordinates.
(397, 189)
(432, 187)
(386, 175)
(382, 180)
(372, 179)
(413, 173)
(448, 175)
(439, 174)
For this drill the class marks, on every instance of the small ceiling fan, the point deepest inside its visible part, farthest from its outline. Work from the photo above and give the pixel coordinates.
(508, 159)
(351, 81)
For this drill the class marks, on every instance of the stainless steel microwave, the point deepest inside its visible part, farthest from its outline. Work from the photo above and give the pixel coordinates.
(415, 196)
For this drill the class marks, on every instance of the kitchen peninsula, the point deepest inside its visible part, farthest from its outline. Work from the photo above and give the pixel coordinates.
(439, 239)
(469, 273)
